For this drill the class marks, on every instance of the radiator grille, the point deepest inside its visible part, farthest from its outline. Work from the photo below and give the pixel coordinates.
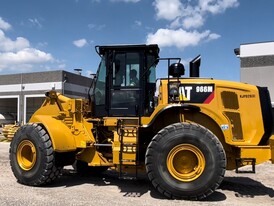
(230, 100)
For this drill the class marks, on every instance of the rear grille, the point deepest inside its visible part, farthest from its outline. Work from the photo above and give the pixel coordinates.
(236, 125)
(230, 102)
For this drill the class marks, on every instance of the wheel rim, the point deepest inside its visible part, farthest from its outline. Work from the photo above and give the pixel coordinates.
(185, 162)
(26, 155)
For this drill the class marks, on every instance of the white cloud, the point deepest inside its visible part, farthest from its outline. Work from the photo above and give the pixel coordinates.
(126, 1)
(190, 14)
(179, 38)
(6, 44)
(213, 36)
(80, 43)
(92, 1)
(42, 44)
(138, 23)
(185, 17)
(27, 56)
(35, 22)
(18, 54)
(4, 25)
(194, 21)
(96, 27)
(168, 10)
(217, 6)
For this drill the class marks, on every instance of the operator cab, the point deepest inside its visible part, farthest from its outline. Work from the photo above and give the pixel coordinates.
(125, 81)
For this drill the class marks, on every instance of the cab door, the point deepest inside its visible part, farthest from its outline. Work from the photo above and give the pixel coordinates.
(124, 81)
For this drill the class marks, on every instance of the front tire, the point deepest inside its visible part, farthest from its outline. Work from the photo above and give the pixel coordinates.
(32, 157)
(185, 161)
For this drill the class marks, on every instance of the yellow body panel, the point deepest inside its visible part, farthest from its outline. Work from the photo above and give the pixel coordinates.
(234, 115)
(92, 157)
(63, 120)
(250, 119)
(69, 131)
(260, 153)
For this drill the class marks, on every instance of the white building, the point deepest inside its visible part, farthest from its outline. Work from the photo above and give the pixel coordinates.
(22, 94)
(257, 65)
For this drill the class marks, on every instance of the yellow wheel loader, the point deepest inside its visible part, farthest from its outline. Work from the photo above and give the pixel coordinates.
(184, 133)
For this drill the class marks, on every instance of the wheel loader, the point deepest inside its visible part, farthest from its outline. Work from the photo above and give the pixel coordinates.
(182, 132)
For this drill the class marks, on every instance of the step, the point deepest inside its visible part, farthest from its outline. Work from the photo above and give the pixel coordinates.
(243, 162)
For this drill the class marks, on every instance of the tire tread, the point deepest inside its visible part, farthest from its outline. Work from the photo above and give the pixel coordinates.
(181, 127)
(49, 172)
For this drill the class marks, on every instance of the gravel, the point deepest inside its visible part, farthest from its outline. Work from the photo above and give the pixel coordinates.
(108, 189)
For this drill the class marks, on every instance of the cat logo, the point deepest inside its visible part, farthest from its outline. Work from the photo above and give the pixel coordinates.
(196, 93)
(185, 93)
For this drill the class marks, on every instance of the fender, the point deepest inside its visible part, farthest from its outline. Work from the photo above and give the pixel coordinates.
(65, 139)
(59, 133)
(196, 114)
(178, 107)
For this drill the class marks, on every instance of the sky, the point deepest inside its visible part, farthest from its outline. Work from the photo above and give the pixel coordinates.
(45, 35)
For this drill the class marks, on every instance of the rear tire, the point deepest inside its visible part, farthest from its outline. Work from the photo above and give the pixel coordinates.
(185, 161)
(32, 157)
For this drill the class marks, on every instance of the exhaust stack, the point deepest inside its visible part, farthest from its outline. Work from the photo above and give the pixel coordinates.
(194, 66)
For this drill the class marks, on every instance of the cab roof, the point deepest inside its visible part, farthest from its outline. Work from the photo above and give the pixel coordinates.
(152, 48)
